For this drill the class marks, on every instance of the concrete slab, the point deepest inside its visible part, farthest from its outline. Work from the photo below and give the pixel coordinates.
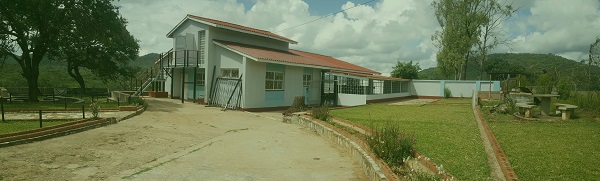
(174, 141)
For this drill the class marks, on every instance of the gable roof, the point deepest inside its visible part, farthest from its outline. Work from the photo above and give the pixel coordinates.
(231, 26)
(294, 57)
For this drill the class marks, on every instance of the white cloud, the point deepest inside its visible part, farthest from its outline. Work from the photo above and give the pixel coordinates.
(373, 36)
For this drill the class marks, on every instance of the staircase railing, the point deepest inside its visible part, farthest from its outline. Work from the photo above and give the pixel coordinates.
(160, 70)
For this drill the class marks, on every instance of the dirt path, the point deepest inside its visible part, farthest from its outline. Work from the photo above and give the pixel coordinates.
(174, 141)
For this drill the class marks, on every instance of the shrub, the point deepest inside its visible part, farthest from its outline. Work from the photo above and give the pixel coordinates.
(138, 101)
(95, 109)
(447, 92)
(511, 106)
(391, 144)
(321, 113)
(297, 106)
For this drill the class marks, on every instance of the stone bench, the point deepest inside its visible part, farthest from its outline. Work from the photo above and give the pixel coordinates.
(566, 110)
(526, 108)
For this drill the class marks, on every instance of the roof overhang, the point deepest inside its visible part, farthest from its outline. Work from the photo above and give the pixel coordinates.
(170, 34)
(285, 63)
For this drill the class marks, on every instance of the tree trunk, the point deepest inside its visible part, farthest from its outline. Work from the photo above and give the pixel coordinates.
(31, 71)
(75, 74)
(32, 83)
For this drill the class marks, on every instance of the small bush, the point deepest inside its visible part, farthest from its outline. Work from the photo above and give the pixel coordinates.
(391, 144)
(138, 101)
(95, 109)
(511, 105)
(447, 92)
(321, 113)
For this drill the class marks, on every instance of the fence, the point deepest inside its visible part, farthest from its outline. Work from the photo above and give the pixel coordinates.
(27, 113)
(465, 88)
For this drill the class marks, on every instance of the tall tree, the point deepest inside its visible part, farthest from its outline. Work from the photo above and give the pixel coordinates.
(98, 41)
(406, 70)
(594, 59)
(495, 14)
(469, 31)
(29, 28)
(67, 29)
(460, 21)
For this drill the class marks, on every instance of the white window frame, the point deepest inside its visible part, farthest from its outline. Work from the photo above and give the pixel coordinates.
(229, 73)
(277, 80)
(306, 80)
(200, 78)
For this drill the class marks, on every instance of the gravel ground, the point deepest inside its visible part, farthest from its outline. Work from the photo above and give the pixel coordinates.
(174, 141)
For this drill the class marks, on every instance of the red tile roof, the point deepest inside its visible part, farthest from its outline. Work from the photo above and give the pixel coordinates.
(295, 57)
(243, 28)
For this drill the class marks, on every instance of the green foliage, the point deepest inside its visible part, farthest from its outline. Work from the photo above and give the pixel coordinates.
(321, 113)
(95, 109)
(544, 84)
(511, 105)
(564, 87)
(447, 92)
(391, 144)
(138, 101)
(406, 70)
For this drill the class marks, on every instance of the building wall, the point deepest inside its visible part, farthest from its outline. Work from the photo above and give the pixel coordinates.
(253, 84)
(314, 90)
(351, 99)
(435, 88)
(386, 96)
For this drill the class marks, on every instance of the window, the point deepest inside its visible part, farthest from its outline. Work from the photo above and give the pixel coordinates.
(201, 42)
(230, 73)
(306, 79)
(200, 78)
(274, 81)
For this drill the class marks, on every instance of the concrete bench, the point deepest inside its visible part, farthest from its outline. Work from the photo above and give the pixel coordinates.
(526, 109)
(566, 110)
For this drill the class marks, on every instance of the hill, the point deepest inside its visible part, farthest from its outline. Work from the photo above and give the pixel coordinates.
(54, 74)
(527, 64)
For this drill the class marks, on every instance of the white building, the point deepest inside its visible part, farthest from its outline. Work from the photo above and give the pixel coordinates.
(226, 64)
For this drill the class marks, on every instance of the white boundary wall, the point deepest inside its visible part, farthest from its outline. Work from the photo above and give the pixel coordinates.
(459, 88)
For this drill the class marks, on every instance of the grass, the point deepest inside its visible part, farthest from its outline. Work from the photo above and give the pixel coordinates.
(448, 134)
(16, 126)
(551, 151)
(61, 105)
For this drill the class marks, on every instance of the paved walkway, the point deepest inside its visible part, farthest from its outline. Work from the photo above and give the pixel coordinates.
(174, 141)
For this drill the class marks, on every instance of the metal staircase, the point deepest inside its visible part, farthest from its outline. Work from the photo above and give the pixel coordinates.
(156, 73)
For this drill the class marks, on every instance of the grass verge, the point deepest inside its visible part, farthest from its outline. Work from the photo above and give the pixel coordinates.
(448, 134)
(551, 150)
(17, 126)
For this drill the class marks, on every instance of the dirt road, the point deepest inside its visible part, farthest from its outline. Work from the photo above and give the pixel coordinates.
(174, 141)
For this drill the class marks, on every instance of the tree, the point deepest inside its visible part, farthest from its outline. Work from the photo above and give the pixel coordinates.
(35, 29)
(495, 14)
(105, 52)
(29, 28)
(594, 59)
(469, 30)
(406, 70)
(460, 21)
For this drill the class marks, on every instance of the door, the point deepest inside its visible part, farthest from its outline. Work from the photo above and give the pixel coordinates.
(306, 95)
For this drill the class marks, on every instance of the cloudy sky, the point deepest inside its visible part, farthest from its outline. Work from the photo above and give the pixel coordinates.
(374, 35)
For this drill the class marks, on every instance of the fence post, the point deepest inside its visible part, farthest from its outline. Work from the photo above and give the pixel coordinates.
(129, 99)
(65, 103)
(83, 110)
(2, 107)
(118, 100)
(40, 112)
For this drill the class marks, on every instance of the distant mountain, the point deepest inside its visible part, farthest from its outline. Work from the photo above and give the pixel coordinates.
(527, 64)
(54, 73)
(145, 60)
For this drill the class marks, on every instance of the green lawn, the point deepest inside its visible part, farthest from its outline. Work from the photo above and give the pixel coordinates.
(61, 105)
(448, 134)
(16, 126)
(551, 151)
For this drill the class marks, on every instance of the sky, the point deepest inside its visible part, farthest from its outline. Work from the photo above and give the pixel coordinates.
(375, 35)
